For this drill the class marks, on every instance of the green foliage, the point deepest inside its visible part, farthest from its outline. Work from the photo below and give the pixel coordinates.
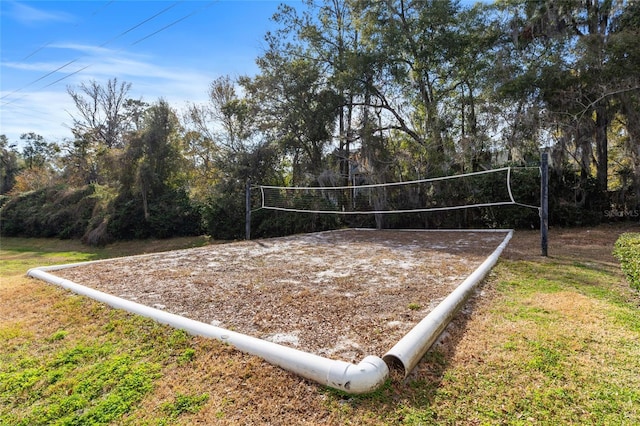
(37, 152)
(59, 211)
(8, 165)
(184, 404)
(627, 250)
(224, 213)
(573, 200)
(525, 188)
(169, 215)
(275, 223)
(58, 335)
(3, 200)
(72, 385)
(179, 339)
(187, 356)
(92, 213)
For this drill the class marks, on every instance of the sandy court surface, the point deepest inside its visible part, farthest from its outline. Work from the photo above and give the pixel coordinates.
(343, 294)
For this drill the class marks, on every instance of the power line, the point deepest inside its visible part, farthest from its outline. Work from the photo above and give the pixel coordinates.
(173, 23)
(77, 59)
(209, 4)
(66, 76)
(35, 81)
(36, 51)
(94, 13)
(141, 23)
(137, 41)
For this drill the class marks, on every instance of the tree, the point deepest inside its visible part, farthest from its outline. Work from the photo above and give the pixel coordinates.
(153, 196)
(106, 117)
(102, 111)
(414, 43)
(8, 164)
(625, 63)
(222, 131)
(326, 34)
(37, 152)
(398, 67)
(154, 158)
(570, 62)
(38, 157)
(297, 108)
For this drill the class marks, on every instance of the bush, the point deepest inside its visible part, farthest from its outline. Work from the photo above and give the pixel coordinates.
(224, 213)
(170, 215)
(574, 201)
(627, 250)
(270, 223)
(97, 215)
(4, 199)
(58, 211)
(225, 216)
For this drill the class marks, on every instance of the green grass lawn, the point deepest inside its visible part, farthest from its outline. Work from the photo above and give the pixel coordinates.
(68, 360)
(549, 341)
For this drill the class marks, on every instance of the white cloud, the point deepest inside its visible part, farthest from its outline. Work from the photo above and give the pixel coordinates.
(30, 15)
(44, 107)
(86, 49)
(42, 112)
(102, 64)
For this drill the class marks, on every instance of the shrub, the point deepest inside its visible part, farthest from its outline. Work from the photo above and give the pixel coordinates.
(270, 223)
(627, 250)
(170, 215)
(97, 215)
(224, 215)
(58, 211)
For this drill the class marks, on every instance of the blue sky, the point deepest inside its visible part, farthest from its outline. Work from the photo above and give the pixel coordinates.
(168, 49)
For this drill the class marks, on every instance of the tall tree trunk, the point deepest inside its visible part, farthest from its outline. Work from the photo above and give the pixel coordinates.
(602, 124)
(145, 203)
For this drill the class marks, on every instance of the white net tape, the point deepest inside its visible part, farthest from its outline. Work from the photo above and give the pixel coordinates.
(479, 189)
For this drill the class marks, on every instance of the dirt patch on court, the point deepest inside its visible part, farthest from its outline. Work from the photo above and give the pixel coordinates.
(343, 294)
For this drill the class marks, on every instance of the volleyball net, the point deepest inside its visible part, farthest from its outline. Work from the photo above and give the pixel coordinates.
(463, 191)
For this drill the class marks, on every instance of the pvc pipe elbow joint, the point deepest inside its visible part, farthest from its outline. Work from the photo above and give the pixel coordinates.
(365, 377)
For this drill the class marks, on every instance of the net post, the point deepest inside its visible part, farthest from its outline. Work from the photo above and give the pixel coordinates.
(544, 202)
(247, 204)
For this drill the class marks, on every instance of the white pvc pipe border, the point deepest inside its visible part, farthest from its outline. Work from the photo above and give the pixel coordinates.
(412, 347)
(364, 377)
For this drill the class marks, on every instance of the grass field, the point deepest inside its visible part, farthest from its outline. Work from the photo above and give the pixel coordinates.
(546, 341)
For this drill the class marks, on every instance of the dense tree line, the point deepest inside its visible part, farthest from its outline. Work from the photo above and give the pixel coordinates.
(354, 92)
